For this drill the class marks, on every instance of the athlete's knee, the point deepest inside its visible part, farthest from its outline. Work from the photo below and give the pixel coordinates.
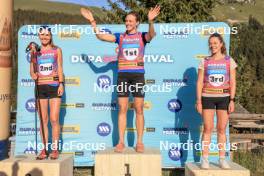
(44, 119)
(54, 121)
(122, 108)
(221, 130)
(208, 130)
(139, 110)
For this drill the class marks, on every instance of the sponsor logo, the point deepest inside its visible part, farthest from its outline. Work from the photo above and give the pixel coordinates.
(210, 154)
(200, 56)
(151, 58)
(175, 131)
(69, 35)
(25, 131)
(29, 150)
(103, 81)
(29, 35)
(79, 153)
(27, 83)
(158, 58)
(150, 81)
(148, 129)
(84, 58)
(30, 105)
(104, 106)
(70, 129)
(74, 105)
(103, 129)
(72, 81)
(175, 154)
(176, 82)
(174, 105)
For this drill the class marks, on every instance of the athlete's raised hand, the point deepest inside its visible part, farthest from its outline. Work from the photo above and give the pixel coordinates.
(153, 13)
(87, 14)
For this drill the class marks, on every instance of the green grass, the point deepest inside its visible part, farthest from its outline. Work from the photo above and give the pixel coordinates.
(46, 6)
(254, 161)
(240, 12)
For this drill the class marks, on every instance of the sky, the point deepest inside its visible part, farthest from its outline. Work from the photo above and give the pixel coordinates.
(98, 3)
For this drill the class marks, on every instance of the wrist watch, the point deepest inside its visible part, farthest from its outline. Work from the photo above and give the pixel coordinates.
(232, 99)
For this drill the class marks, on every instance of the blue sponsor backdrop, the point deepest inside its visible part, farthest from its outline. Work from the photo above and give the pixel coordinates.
(89, 115)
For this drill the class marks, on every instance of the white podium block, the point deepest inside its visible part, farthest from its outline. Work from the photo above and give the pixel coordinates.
(194, 169)
(128, 163)
(63, 166)
(10, 166)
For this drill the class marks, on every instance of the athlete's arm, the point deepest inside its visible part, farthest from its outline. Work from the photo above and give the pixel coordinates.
(32, 73)
(104, 37)
(231, 107)
(60, 68)
(60, 73)
(152, 14)
(199, 85)
(232, 83)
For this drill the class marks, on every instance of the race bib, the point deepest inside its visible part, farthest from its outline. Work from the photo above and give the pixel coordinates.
(130, 53)
(46, 69)
(216, 80)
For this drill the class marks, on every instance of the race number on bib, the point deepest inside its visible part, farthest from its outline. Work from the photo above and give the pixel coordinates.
(130, 53)
(46, 69)
(216, 80)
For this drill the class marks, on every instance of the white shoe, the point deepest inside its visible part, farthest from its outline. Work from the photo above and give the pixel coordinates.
(204, 163)
(223, 164)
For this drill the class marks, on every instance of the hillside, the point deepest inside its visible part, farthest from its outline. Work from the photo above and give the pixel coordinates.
(240, 12)
(235, 12)
(46, 6)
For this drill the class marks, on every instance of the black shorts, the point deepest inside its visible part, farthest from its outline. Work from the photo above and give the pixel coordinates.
(47, 91)
(218, 103)
(130, 83)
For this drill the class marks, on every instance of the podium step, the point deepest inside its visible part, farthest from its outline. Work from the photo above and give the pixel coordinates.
(27, 165)
(194, 169)
(128, 163)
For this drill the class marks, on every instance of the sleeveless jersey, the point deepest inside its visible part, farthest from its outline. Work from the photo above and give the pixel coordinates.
(131, 53)
(47, 67)
(216, 76)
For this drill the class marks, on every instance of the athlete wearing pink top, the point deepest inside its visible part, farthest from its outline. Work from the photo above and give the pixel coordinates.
(131, 45)
(46, 69)
(216, 86)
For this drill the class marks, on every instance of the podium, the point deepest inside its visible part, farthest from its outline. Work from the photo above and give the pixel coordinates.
(194, 169)
(128, 163)
(27, 165)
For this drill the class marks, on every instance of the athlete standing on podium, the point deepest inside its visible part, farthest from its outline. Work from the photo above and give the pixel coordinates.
(216, 87)
(130, 68)
(46, 69)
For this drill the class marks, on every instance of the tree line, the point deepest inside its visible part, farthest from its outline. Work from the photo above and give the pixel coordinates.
(247, 47)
